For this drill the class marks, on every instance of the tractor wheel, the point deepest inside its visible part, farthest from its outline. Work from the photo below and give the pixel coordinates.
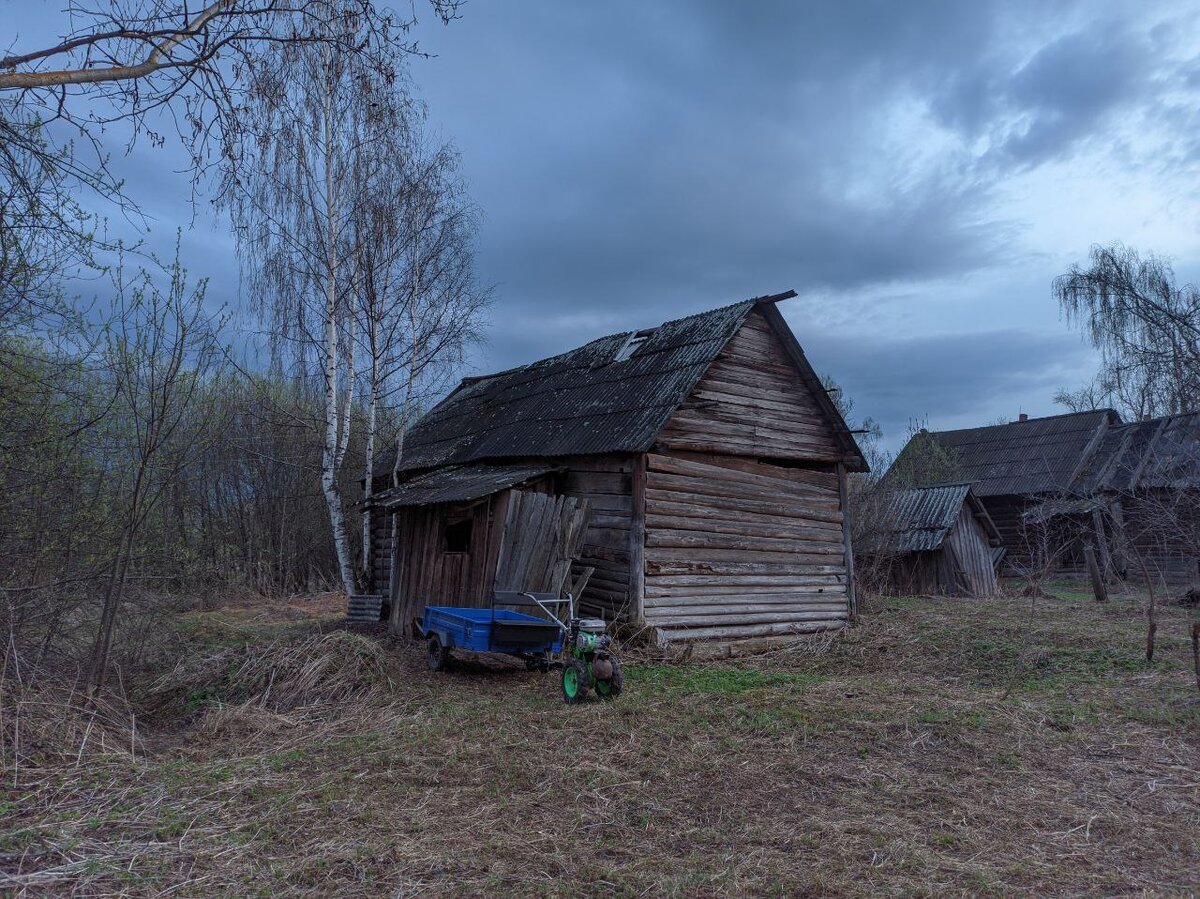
(574, 682)
(437, 656)
(610, 689)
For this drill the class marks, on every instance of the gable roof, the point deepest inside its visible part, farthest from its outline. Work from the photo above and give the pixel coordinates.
(1157, 453)
(922, 517)
(1038, 455)
(585, 402)
(1080, 453)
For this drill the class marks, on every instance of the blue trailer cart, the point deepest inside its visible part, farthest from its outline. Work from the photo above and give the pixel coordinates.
(588, 663)
(495, 629)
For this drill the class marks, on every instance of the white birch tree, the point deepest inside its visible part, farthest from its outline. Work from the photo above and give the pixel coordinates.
(308, 124)
(418, 298)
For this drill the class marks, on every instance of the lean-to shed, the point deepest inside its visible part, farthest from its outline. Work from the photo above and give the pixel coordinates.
(1055, 485)
(939, 540)
(712, 462)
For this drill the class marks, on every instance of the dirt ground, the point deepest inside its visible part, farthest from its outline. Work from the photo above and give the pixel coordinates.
(941, 746)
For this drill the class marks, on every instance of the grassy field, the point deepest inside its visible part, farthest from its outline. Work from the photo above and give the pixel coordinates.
(942, 746)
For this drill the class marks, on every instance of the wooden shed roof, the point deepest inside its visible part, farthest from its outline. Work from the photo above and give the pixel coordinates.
(1157, 453)
(1078, 454)
(1038, 455)
(924, 516)
(458, 484)
(596, 399)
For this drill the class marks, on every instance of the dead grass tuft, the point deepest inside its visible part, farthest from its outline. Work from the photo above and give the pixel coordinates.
(280, 675)
(45, 723)
(900, 758)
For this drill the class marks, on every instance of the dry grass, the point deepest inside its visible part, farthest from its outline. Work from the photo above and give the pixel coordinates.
(883, 761)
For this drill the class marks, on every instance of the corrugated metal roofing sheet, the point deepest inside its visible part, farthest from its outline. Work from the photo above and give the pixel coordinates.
(1039, 455)
(1078, 454)
(923, 516)
(458, 484)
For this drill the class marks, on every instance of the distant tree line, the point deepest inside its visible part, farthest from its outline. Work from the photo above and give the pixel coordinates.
(142, 458)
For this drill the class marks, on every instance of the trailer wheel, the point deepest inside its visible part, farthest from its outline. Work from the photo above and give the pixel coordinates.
(437, 655)
(574, 682)
(610, 688)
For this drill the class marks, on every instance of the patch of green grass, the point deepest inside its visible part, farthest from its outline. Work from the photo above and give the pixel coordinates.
(218, 630)
(685, 679)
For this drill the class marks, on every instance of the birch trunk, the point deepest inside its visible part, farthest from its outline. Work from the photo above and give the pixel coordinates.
(369, 467)
(331, 453)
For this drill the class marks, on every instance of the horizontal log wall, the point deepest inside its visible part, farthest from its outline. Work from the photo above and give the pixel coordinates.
(607, 483)
(380, 556)
(1006, 512)
(752, 401)
(740, 548)
(1165, 535)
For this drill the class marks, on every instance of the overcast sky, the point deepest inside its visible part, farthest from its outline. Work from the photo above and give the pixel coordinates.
(917, 171)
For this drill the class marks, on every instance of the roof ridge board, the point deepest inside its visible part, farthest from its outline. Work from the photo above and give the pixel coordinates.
(1028, 421)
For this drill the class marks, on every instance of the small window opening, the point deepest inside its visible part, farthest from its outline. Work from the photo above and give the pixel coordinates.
(631, 345)
(457, 536)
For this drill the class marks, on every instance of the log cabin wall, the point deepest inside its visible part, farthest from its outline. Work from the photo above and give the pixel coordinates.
(736, 547)
(751, 402)
(607, 483)
(380, 568)
(1168, 547)
(743, 508)
(1006, 512)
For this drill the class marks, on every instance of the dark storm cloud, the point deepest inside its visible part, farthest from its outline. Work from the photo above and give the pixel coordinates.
(1071, 85)
(949, 380)
(656, 159)
(712, 149)
(636, 162)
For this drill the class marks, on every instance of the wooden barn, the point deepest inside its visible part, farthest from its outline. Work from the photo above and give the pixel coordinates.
(939, 540)
(704, 456)
(1054, 486)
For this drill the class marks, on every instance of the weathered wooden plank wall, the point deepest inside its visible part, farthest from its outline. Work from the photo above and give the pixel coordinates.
(975, 574)
(541, 538)
(606, 482)
(429, 574)
(736, 547)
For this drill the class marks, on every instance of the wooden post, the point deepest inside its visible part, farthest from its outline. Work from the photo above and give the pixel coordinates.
(1101, 542)
(396, 625)
(637, 544)
(844, 502)
(1196, 650)
(1098, 588)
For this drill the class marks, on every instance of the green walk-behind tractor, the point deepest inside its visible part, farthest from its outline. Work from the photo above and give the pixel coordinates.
(587, 659)
(589, 662)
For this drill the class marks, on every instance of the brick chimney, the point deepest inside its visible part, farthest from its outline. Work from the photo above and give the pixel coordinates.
(1022, 417)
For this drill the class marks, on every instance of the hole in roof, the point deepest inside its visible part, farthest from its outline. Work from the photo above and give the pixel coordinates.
(630, 346)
